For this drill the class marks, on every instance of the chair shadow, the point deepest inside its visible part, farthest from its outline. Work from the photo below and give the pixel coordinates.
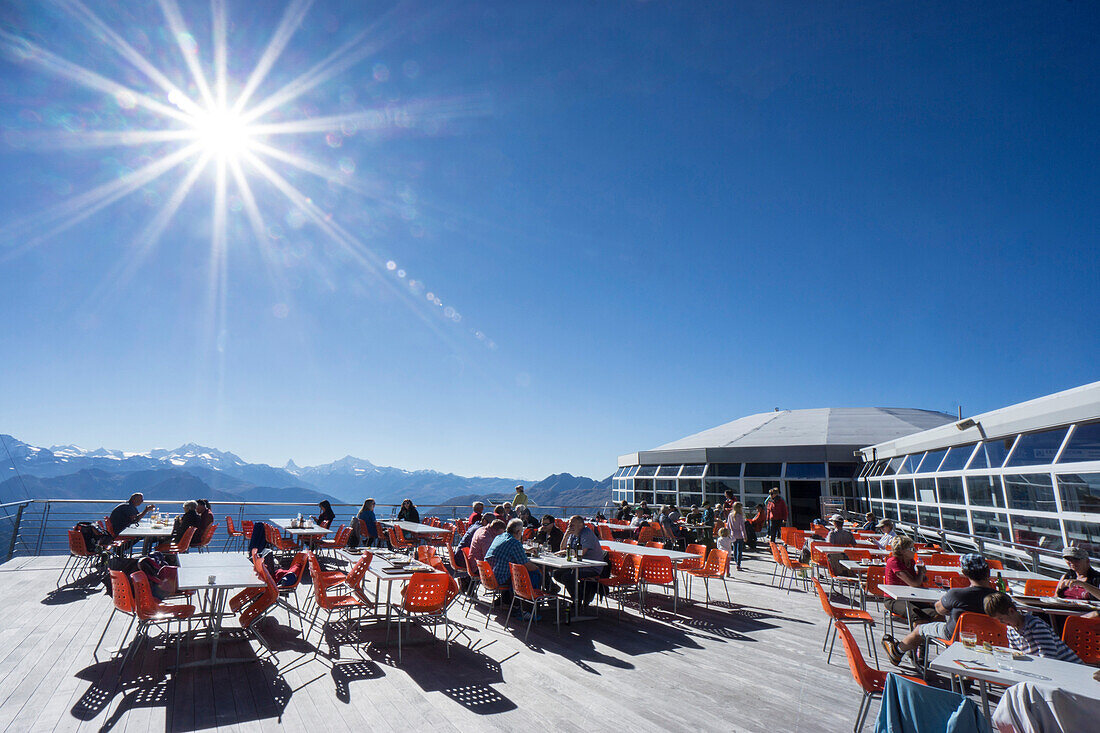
(344, 673)
(74, 591)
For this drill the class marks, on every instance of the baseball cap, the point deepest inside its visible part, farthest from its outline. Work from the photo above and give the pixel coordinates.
(884, 522)
(1075, 552)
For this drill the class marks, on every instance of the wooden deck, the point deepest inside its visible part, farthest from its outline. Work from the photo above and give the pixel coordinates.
(755, 665)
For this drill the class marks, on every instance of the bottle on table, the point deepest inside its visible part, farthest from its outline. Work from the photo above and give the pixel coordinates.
(1002, 586)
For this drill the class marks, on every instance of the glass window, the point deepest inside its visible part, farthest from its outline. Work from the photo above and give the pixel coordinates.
(908, 513)
(1083, 445)
(1085, 535)
(957, 458)
(879, 468)
(756, 492)
(644, 486)
(805, 470)
(865, 469)
(954, 520)
(876, 508)
(842, 470)
(895, 464)
(1035, 449)
(729, 470)
(691, 486)
(950, 490)
(666, 492)
(991, 453)
(888, 489)
(647, 470)
(620, 472)
(694, 469)
(1037, 532)
(926, 490)
(875, 489)
(890, 510)
(929, 516)
(911, 463)
(716, 490)
(931, 461)
(993, 525)
(1033, 492)
(633, 470)
(1080, 492)
(668, 470)
(762, 469)
(985, 491)
(906, 490)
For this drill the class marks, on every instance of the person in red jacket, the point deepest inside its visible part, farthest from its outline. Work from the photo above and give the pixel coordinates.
(776, 510)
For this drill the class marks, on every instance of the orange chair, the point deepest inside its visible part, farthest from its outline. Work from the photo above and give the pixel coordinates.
(646, 535)
(338, 542)
(151, 612)
(122, 594)
(873, 577)
(693, 563)
(80, 558)
(657, 570)
(1082, 635)
(289, 593)
(847, 615)
(233, 535)
(854, 553)
(425, 603)
(340, 604)
(994, 564)
(528, 533)
(871, 681)
(207, 536)
(717, 566)
(630, 542)
(1036, 587)
(247, 526)
(355, 577)
(397, 539)
(792, 569)
(425, 553)
(523, 591)
(623, 575)
(489, 582)
(985, 627)
(655, 544)
(280, 543)
(945, 580)
(604, 533)
(260, 605)
(182, 546)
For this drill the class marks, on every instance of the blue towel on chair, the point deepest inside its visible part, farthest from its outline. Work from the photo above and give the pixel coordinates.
(911, 708)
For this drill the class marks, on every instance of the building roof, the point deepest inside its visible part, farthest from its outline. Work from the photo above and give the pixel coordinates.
(1071, 405)
(822, 434)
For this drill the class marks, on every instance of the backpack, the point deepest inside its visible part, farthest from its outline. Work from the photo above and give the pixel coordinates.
(93, 536)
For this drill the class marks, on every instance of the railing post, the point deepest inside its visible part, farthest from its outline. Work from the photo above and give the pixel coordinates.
(15, 531)
(1034, 561)
(42, 529)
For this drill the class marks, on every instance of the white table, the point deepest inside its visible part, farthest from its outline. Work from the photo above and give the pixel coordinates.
(557, 562)
(415, 528)
(380, 570)
(643, 550)
(315, 530)
(146, 530)
(909, 593)
(231, 572)
(1075, 678)
(1006, 574)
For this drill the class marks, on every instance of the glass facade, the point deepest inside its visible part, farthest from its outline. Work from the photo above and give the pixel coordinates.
(750, 482)
(1036, 489)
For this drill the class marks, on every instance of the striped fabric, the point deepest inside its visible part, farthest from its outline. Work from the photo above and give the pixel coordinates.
(1038, 638)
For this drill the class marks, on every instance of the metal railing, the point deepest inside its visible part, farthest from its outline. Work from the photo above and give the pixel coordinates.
(40, 526)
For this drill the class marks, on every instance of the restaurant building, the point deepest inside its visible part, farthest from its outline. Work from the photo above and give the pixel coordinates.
(807, 454)
(1022, 478)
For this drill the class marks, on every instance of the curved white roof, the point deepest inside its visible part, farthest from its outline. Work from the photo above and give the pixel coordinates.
(827, 433)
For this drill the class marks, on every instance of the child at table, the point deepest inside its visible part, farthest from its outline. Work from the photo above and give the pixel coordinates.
(1027, 633)
(724, 542)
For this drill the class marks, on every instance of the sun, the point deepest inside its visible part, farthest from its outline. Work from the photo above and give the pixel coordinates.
(222, 133)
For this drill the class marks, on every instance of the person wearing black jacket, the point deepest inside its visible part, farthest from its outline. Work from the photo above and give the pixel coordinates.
(189, 518)
(549, 533)
(326, 515)
(408, 512)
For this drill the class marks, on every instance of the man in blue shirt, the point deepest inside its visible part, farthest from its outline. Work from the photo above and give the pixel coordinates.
(581, 538)
(507, 549)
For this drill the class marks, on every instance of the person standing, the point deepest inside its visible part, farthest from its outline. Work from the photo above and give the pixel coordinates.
(520, 499)
(727, 505)
(755, 526)
(735, 526)
(776, 510)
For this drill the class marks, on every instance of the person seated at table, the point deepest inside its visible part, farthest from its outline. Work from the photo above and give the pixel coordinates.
(189, 518)
(483, 539)
(901, 569)
(624, 512)
(951, 605)
(1027, 632)
(644, 511)
(838, 535)
(326, 515)
(584, 541)
(206, 518)
(707, 518)
(509, 512)
(869, 523)
(1080, 570)
(364, 527)
(126, 513)
(694, 516)
(886, 541)
(475, 516)
(549, 533)
(408, 512)
(528, 519)
(506, 549)
(498, 511)
(669, 527)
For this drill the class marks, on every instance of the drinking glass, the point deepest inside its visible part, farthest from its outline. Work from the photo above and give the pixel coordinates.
(1003, 657)
(968, 638)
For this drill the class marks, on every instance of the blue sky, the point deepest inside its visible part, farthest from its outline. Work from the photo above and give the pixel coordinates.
(639, 220)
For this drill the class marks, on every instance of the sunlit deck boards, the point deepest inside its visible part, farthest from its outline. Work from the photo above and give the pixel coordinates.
(755, 667)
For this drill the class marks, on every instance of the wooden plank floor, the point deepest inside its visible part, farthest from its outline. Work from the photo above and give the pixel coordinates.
(753, 665)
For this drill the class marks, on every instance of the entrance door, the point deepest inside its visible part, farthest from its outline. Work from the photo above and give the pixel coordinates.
(804, 502)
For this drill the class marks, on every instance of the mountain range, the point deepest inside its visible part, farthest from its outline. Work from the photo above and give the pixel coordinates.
(68, 471)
